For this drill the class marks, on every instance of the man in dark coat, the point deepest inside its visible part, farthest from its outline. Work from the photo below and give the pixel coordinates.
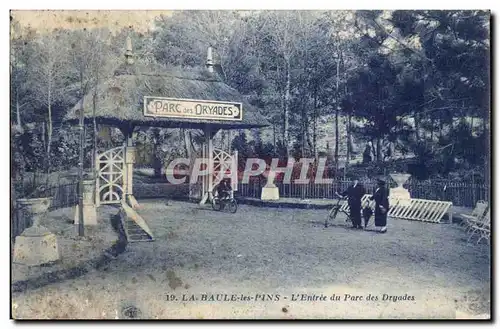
(224, 189)
(354, 194)
(381, 197)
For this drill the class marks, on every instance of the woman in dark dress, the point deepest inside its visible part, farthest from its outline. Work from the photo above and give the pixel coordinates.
(381, 197)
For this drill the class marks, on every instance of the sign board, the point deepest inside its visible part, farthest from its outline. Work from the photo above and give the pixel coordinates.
(162, 107)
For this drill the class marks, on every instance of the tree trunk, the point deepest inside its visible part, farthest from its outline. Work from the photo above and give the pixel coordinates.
(49, 130)
(315, 126)
(44, 137)
(314, 146)
(379, 150)
(337, 103)
(287, 101)
(348, 128)
(18, 112)
(374, 151)
(336, 155)
(433, 122)
(303, 128)
(81, 228)
(487, 178)
(417, 127)
(274, 137)
(94, 122)
(303, 186)
(308, 140)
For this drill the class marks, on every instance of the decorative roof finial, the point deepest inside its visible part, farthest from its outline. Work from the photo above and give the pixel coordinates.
(129, 55)
(209, 63)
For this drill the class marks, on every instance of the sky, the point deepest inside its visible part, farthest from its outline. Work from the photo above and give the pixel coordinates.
(46, 20)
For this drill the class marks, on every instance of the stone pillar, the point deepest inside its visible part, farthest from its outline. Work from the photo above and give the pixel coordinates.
(89, 207)
(36, 245)
(270, 190)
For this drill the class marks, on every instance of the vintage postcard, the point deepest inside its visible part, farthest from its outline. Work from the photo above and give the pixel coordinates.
(258, 164)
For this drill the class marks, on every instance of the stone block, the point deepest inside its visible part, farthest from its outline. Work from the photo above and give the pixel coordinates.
(36, 246)
(270, 193)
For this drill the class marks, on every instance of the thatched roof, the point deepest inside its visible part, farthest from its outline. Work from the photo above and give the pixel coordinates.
(120, 99)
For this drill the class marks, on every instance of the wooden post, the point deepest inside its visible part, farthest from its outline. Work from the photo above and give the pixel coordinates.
(129, 163)
(208, 157)
(129, 166)
(81, 128)
(125, 166)
(203, 182)
(235, 169)
(208, 154)
(210, 151)
(97, 181)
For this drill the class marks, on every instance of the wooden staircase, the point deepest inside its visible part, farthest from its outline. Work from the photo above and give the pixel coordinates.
(136, 228)
(135, 233)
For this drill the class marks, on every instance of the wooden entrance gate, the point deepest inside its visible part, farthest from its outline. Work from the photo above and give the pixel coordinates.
(111, 176)
(224, 165)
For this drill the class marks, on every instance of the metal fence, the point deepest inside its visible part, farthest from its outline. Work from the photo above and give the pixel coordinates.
(460, 194)
(64, 196)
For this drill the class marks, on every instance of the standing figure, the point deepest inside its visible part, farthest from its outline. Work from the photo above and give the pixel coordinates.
(381, 197)
(354, 194)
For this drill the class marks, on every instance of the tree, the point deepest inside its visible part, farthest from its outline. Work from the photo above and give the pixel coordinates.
(282, 29)
(178, 43)
(93, 60)
(47, 79)
(19, 60)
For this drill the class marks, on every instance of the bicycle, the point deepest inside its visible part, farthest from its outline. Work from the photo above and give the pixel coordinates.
(334, 211)
(220, 204)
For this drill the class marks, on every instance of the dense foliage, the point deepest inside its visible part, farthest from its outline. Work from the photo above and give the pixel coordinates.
(367, 86)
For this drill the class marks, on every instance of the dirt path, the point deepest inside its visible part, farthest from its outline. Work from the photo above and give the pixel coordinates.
(263, 251)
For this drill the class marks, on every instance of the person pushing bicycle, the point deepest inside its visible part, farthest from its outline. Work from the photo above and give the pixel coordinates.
(354, 195)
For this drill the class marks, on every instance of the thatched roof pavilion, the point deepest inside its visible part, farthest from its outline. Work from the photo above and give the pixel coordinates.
(200, 100)
(120, 99)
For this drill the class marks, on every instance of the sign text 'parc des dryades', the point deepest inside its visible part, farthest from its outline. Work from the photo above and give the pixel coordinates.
(192, 109)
